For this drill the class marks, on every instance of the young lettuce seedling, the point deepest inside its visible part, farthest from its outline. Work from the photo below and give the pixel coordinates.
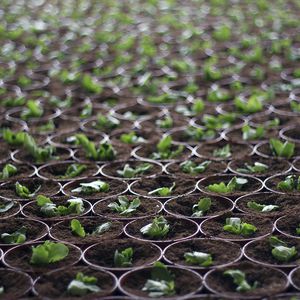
(24, 192)
(235, 184)
(8, 171)
(161, 283)
(78, 230)
(107, 122)
(281, 149)
(224, 152)
(298, 230)
(197, 107)
(131, 138)
(198, 258)
(125, 206)
(49, 209)
(17, 237)
(123, 259)
(33, 109)
(198, 134)
(47, 127)
(83, 285)
(129, 172)
(262, 207)
(191, 167)
(92, 187)
(281, 251)
(90, 85)
(202, 207)
(295, 106)
(256, 168)
(13, 138)
(218, 122)
(74, 170)
(289, 184)
(6, 206)
(105, 151)
(164, 148)
(236, 226)
(48, 253)
(86, 111)
(250, 134)
(250, 106)
(165, 123)
(163, 191)
(159, 228)
(239, 279)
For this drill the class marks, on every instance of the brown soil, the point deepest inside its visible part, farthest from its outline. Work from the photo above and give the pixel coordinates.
(296, 278)
(62, 231)
(288, 224)
(11, 212)
(102, 254)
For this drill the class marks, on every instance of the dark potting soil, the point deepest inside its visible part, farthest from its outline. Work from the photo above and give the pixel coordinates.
(214, 227)
(146, 185)
(62, 231)
(213, 168)
(270, 281)
(111, 169)
(287, 204)
(47, 188)
(34, 230)
(261, 251)
(138, 110)
(183, 206)
(222, 252)
(11, 212)
(179, 229)
(10, 279)
(147, 207)
(55, 284)
(20, 256)
(115, 187)
(102, 254)
(288, 224)
(276, 166)
(185, 282)
(238, 151)
(296, 278)
(57, 171)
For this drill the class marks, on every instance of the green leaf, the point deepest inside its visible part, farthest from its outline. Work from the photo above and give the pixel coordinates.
(131, 138)
(33, 109)
(280, 149)
(17, 237)
(92, 187)
(6, 206)
(83, 285)
(262, 207)
(235, 184)
(250, 106)
(107, 122)
(223, 152)
(239, 279)
(202, 207)
(125, 206)
(48, 252)
(250, 134)
(13, 138)
(91, 86)
(159, 228)
(281, 251)
(198, 258)
(24, 192)
(123, 259)
(191, 167)
(77, 228)
(102, 228)
(236, 226)
(163, 191)
(129, 172)
(74, 170)
(289, 184)
(256, 168)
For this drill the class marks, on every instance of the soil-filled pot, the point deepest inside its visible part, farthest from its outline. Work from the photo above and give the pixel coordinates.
(147, 207)
(187, 206)
(121, 152)
(9, 209)
(95, 229)
(106, 187)
(22, 171)
(294, 278)
(269, 204)
(69, 140)
(5, 153)
(289, 225)
(270, 281)
(187, 282)
(263, 149)
(55, 284)
(102, 255)
(261, 252)
(131, 169)
(223, 150)
(156, 187)
(296, 165)
(60, 154)
(19, 257)
(221, 184)
(195, 167)
(284, 184)
(11, 190)
(291, 133)
(215, 227)
(15, 284)
(67, 171)
(222, 253)
(150, 152)
(259, 166)
(178, 229)
(25, 230)
(33, 210)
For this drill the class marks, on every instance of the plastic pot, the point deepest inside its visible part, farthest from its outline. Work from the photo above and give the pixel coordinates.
(263, 149)
(290, 133)
(287, 225)
(11, 212)
(272, 182)
(23, 171)
(294, 278)
(101, 255)
(54, 284)
(296, 165)
(223, 252)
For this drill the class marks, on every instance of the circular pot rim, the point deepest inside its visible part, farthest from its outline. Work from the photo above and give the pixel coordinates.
(290, 277)
(283, 136)
(267, 180)
(282, 232)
